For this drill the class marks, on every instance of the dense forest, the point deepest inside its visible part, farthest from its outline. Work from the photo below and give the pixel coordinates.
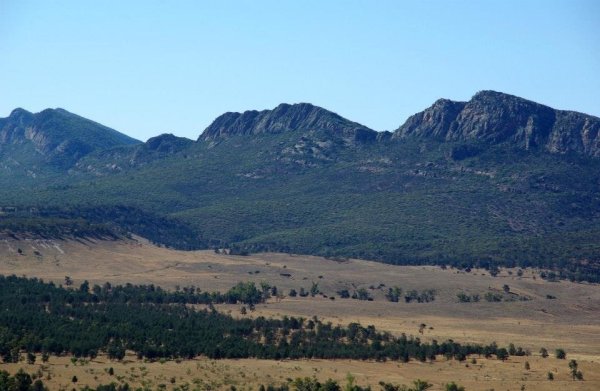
(38, 317)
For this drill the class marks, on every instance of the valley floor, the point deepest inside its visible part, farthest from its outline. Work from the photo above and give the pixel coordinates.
(248, 374)
(570, 321)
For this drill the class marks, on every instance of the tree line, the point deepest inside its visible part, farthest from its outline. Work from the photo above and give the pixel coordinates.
(38, 317)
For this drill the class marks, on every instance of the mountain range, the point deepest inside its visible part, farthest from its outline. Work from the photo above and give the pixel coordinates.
(497, 180)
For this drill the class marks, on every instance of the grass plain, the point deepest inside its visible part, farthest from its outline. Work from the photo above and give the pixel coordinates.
(570, 321)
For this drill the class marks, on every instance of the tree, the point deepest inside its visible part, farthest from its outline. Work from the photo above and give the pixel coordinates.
(363, 294)
(544, 352)
(314, 289)
(463, 297)
(392, 387)
(421, 385)
(573, 367)
(560, 354)
(454, 387)
(344, 294)
(394, 294)
(293, 293)
(306, 384)
(502, 354)
(30, 358)
(350, 379)
(22, 380)
(550, 376)
(527, 366)
(575, 374)
(506, 288)
(38, 385)
(84, 287)
(74, 379)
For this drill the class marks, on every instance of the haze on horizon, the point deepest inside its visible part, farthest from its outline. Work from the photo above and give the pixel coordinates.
(149, 67)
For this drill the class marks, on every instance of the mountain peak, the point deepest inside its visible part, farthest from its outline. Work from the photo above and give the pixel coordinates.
(167, 143)
(57, 135)
(495, 117)
(284, 118)
(19, 112)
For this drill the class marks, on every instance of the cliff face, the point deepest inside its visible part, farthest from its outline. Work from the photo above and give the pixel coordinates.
(493, 117)
(57, 135)
(285, 117)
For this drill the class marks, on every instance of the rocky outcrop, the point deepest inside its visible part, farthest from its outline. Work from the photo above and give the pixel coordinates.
(286, 118)
(57, 135)
(493, 117)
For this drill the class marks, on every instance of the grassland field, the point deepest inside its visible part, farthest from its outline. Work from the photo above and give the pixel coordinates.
(570, 321)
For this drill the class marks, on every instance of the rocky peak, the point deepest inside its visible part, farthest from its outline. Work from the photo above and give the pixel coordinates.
(494, 117)
(58, 135)
(286, 118)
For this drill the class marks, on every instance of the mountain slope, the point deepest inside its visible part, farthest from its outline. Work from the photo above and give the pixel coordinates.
(56, 136)
(491, 117)
(299, 180)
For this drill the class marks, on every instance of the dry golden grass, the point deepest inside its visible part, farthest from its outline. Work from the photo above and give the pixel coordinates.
(572, 321)
(248, 374)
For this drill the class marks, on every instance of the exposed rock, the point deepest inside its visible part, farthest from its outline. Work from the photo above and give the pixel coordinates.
(57, 135)
(285, 118)
(493, 117)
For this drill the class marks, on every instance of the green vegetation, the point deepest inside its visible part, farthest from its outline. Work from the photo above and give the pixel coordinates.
(36, 317)
(23, 381)
(492, 297)
(401, 202)
(464, 298)
(454, 387)
(425, 296)
(575, 373)
(393, 294)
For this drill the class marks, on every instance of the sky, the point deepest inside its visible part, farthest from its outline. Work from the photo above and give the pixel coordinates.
(151, 67)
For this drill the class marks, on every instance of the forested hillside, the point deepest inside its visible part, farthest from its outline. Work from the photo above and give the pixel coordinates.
(495, 181)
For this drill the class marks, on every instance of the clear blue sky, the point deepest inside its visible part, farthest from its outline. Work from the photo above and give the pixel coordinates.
(149, 67)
